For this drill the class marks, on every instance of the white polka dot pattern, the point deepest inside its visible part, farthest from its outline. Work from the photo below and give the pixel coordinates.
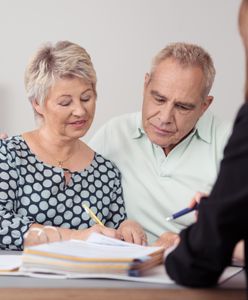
(34, 192)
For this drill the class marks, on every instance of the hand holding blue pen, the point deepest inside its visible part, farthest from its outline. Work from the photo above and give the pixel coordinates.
(198, 197)
(182, 212)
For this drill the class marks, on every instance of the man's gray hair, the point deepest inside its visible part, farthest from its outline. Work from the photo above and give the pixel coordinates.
(189, 55)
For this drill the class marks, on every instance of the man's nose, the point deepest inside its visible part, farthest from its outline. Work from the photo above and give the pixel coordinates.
(166, 114)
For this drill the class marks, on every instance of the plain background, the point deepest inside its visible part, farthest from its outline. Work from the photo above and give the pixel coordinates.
(122, 36)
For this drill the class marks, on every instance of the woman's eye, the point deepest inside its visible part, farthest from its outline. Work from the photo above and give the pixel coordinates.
(65, 103)
(86, 98)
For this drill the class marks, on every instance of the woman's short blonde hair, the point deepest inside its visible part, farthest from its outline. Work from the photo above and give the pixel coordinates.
(52, 62)
(189, 55)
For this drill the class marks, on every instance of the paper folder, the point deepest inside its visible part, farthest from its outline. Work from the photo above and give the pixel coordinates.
(102, 255)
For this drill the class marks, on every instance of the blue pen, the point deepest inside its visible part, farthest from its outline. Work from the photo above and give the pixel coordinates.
(182, 212)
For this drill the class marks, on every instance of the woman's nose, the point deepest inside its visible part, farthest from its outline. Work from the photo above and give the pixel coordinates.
(79, 109)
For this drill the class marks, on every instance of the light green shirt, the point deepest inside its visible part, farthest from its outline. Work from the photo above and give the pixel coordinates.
(155, 185)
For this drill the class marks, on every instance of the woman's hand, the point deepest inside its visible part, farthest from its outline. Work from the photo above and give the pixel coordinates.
(167, 240)
(3, 135)
(132, 232)
(83, 234)
(40, 234)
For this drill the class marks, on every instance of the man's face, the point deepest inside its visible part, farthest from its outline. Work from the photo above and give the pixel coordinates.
(172, 103)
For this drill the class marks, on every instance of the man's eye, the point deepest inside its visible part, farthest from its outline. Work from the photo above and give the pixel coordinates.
(182, 107)
(159, 100)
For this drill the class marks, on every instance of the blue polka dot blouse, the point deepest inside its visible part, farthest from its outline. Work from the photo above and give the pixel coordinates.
(34, 192)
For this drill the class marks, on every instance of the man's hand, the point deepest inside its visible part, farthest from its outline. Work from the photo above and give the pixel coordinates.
(197, 199)
(132, 232)
(167, 240)
(238, 253)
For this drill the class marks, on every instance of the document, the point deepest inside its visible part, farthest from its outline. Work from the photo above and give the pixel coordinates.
(97, 255)
(9, 265)
(67, 260)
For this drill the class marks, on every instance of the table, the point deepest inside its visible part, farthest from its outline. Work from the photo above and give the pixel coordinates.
(24, 288)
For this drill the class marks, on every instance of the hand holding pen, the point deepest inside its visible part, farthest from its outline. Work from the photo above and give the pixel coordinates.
(99, 227)
(92, 215)
(129, 230)
(192, 206)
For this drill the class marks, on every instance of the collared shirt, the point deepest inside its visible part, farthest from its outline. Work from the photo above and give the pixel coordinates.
(155, 185)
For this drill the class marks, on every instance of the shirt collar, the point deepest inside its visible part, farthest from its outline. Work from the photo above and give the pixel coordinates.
(202, 128)
(138, 130)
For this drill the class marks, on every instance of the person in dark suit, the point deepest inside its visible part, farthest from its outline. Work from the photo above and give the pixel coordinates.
(206, 247)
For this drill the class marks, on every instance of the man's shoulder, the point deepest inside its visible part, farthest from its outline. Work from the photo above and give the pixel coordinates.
(117, 131)
(125, 119)
(126, 123)
(213, 126)
(222, 129)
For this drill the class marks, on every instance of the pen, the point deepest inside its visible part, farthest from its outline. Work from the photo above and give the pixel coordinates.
(182, 212)
(92, 215)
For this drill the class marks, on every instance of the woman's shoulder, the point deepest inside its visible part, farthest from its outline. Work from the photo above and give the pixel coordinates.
(106, 164)
(13, 142)
(12, 147)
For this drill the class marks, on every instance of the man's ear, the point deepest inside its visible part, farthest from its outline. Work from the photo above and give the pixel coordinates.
(207, 102)
(37, 107)
(147, 79)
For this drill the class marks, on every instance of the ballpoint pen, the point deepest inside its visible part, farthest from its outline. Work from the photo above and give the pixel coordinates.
(92, 215)
(182, 212)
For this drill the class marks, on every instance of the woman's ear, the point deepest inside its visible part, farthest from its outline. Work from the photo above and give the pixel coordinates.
(37, 107)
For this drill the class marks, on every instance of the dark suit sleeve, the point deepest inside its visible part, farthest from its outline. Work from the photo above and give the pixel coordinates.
(206, 247)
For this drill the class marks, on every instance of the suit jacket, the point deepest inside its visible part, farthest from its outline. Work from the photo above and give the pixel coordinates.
(206, 247)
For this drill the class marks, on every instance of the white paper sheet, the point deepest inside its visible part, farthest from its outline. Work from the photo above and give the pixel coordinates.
(10, 262)
(89, 250)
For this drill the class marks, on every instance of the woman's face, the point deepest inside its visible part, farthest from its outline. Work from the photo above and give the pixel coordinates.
(69, 108)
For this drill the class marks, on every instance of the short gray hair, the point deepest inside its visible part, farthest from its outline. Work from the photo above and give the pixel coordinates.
(189, 55)
(49, 63)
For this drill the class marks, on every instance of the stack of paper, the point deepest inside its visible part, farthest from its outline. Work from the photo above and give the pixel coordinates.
(99, 254)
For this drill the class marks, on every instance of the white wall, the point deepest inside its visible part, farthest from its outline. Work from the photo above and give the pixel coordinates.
(122, 36)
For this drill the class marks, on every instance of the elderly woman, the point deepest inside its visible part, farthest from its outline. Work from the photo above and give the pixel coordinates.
(46, 175)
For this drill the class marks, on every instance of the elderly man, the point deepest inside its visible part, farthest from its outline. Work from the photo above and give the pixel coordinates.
(173, 148)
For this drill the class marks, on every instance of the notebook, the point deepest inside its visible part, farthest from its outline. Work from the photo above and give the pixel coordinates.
(98, 255)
